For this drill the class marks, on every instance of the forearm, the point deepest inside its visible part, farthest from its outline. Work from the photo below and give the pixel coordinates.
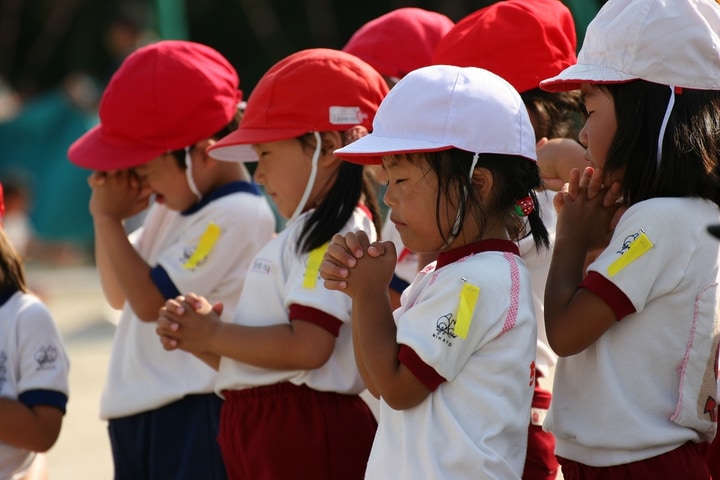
(360, 361)
(564, 277)
(130, 272)
(35, 429)
(377, 338)
(296, 345)
(110, 287)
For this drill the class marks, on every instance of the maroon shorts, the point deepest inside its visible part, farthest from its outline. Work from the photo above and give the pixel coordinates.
(290, 431)
(540, 462)
(685, 462)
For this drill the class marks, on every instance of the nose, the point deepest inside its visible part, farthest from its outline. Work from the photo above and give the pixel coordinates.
(388, 196)
(583, 136)
(258, 176)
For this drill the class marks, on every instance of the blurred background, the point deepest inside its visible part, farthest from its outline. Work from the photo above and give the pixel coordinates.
(56, 56)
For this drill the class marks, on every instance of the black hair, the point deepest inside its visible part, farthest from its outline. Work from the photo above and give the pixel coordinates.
(12, 272)
(352, 186)
(230, 127)
(690, 163)
(557, 114)
(514, 178)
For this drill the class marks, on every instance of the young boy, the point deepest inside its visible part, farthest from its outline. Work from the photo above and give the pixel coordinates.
(163, 107)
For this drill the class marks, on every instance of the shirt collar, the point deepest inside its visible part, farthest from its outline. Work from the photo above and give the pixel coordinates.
(491, 245)
(227, 189)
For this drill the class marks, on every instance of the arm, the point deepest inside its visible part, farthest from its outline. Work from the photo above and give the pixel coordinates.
(124, 275)
(574, 317)
(374, 327)
(192, 325)
(556, 158)
(31, 428)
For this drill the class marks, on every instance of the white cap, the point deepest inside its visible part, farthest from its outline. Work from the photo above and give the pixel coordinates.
(442, 107)
(670, 42)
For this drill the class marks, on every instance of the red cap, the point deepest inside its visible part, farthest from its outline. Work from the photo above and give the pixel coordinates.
(165, 96)
(523, 41)
(315, 90)
(399, 41)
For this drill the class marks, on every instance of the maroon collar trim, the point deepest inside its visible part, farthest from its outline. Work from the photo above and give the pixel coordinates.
(492, 245)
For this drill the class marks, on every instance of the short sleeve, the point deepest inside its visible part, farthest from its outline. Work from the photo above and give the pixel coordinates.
(647, 255)
(431, 326)
(223, 236)
(42, 360)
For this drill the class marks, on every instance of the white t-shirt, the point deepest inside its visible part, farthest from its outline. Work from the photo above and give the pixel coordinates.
(33, 367)
(281, 282)
(474, 422)
(538, 263)
(649, 383)
(206, 250)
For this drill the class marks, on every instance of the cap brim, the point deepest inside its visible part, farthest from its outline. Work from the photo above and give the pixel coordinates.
(370, 149)
(573, 76)
(237, 145)
(92, 152)
(714, 230)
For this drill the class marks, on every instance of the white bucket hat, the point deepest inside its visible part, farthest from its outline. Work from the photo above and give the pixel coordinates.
(442, 107)
(670, 42)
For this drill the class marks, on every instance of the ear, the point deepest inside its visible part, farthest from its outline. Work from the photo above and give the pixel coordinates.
(201, 148)
(483, 182)
(331, 141)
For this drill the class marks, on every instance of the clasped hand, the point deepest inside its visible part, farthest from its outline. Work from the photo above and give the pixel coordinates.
(355, 266)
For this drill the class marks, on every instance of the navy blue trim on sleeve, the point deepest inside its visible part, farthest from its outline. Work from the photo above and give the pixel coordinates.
(50, 398)
(163, 282)
(398, 284)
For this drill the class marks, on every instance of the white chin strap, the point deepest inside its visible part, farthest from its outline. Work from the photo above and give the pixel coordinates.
(311, 180)
(458, 218)
(189, 176)
(663, 126)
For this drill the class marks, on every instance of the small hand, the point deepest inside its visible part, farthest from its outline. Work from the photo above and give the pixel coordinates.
(188, 323)
(117, 194)
(342, 255)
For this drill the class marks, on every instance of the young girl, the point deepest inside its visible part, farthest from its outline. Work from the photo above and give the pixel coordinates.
(33, 370)
(454, 368)
(637, 392)
(496, 38)
(286, 370)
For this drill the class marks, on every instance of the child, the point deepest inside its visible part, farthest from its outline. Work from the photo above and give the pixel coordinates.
(395, 44)
(454, 369)
(637, 392)
(33, 370)
(166, 104)
(399, 41)
(286, 368)
(525, 41)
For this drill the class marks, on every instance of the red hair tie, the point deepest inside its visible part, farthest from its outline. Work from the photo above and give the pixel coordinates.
(524, 206)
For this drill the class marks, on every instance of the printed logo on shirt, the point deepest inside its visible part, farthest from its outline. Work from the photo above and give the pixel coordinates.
(445, 329)
(3, 369)
(260, 265)
(634, 247)
(197, 256)
(45, 356)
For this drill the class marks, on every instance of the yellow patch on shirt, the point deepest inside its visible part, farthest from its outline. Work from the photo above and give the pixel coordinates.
(207, 242)
(637, 249)
(468, 298)
(312, 270)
